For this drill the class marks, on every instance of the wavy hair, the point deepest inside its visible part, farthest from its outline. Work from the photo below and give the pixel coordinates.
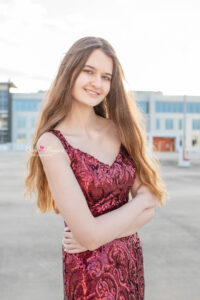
(118, 106)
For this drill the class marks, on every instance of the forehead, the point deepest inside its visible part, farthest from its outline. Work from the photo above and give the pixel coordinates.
(99, 60)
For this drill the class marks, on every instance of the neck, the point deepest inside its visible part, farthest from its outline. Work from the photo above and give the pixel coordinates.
(81, 120)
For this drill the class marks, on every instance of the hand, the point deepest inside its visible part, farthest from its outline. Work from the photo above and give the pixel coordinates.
(149, 199)
(70, 244)
(152, 201)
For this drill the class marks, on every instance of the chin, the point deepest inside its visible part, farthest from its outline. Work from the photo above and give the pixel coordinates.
(89, 102)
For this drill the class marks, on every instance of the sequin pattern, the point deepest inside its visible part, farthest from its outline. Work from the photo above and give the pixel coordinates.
(114, 270)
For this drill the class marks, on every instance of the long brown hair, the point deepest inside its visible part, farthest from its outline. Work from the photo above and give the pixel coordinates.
(117, 106)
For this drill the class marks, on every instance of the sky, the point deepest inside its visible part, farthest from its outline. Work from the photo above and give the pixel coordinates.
(157, 42)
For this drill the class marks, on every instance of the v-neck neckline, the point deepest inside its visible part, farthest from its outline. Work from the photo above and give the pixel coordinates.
(89, 155)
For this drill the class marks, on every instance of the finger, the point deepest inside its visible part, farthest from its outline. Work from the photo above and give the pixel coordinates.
(74, 251)
(66, 229)
(67, 238)
(70, 247)
(67, 241)
(67, 234)
(71, 243)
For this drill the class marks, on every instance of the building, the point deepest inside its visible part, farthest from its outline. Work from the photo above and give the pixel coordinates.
(164, 117)
(5, 111)
(25, 108)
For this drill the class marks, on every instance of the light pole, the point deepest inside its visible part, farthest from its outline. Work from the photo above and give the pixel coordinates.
(184, 124)
(184, 161)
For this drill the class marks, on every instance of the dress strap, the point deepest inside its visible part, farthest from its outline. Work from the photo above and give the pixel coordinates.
(61, 138)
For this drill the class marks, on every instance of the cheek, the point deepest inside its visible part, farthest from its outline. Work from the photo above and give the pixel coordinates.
(77, 85)
(107, 88)
(82, 79)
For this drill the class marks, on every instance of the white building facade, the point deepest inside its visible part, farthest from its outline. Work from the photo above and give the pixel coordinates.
(25, 109)
(165, 120)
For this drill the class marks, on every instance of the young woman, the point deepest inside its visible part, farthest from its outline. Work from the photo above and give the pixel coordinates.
(90, 164)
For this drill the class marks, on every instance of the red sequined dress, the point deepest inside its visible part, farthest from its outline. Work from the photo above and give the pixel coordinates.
(114, 270)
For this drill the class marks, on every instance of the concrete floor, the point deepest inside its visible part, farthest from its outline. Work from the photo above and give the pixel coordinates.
(30, 243)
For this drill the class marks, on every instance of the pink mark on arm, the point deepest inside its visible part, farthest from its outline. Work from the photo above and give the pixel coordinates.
(41, 148)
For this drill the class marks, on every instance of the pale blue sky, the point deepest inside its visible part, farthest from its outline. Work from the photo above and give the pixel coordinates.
(156, 41)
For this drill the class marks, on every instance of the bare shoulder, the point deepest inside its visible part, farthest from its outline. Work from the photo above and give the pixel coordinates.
(45, 137)
(47, 141)
(49, 145)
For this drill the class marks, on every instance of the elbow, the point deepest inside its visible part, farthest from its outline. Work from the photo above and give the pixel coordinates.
(93, 241)
(86, 242)
(91, 244)
(92, 247)
(84, 235)
(89, 241)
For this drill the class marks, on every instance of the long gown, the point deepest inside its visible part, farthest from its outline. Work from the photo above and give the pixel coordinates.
(114, 270)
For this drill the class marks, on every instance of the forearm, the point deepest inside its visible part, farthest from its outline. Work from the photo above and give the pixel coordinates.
(142, 219)
(139, 222)
(114, 224)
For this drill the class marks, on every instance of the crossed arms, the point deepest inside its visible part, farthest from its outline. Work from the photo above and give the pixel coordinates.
(90, 231)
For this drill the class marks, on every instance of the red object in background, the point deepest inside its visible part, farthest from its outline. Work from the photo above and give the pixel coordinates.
(185, 156)
(164, 144)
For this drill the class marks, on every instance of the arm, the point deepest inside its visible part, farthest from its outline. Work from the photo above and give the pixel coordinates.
(72, 246)
(128, 221)
(70, 201)
(144, 217)
(139, 222)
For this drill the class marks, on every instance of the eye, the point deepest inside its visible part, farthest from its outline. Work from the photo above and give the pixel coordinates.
(90, 72)
(107, 78)
(87, 71)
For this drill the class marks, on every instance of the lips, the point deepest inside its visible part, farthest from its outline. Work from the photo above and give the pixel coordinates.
(92, 91)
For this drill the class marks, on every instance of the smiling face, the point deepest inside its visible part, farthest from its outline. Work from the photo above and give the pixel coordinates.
(93, 83)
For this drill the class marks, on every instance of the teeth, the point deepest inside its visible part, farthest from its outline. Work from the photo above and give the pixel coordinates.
(91, 92)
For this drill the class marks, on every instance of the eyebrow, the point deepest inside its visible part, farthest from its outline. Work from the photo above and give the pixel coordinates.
(95, 69)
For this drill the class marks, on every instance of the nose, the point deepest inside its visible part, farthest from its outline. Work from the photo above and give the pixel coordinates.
(97, 81)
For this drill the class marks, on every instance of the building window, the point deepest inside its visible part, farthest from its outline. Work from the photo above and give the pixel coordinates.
(195, 141)
(4, 100)
(3, 121)
(4, 137)
(21, 138)
(177, 107)
(172, 107)
(180, 124)
(169, 124)
(195, 124)
(157, 123)
(26, 105)
(144, 106)
(21, 122)
(193, 108)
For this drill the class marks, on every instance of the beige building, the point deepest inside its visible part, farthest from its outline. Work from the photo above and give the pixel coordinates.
(165, 120)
